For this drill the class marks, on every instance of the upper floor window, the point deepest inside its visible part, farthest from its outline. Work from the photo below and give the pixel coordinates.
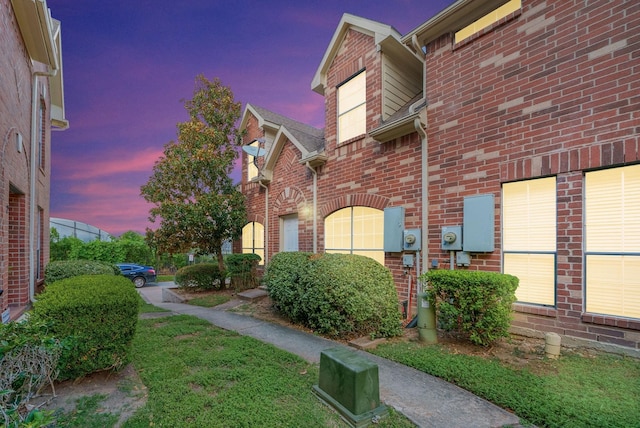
(252, 163)
(612, 241)
(488, 20)
(529, 238)
(352, 108)
(356, 230)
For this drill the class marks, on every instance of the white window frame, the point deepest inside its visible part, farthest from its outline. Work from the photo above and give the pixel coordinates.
(352, 107)
(529, 238)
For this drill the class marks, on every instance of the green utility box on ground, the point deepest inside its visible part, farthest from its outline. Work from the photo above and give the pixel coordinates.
(349, 383)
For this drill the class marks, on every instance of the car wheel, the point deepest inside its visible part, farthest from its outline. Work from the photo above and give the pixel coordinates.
(139, 281)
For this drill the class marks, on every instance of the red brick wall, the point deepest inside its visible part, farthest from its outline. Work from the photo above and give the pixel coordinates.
(552, 90)
(15, 117)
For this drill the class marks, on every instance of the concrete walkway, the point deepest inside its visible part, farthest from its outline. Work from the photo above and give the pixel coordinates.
(426, 400)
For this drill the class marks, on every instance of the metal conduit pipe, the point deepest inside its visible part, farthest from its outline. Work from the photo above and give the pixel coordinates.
(315, 207)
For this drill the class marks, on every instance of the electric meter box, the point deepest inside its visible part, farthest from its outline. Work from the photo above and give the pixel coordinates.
(451, 239)
(412, 240)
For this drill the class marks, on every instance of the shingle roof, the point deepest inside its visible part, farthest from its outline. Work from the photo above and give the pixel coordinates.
(311, 138)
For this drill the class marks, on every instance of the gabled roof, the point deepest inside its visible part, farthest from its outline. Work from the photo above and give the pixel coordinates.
(307, 139)
(382, 34)
(310, 138)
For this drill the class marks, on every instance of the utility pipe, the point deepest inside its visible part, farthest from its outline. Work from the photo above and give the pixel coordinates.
(266, 222)
(35, 103)
(315, 207)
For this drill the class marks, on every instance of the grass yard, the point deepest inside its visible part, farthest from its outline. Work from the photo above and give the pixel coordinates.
(202, 376)
(574, 391)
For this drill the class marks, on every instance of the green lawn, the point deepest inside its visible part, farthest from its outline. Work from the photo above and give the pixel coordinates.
(573, 391)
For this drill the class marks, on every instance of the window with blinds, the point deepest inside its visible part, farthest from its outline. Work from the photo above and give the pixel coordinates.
(352, 108)
(529, 238)
(612, 241)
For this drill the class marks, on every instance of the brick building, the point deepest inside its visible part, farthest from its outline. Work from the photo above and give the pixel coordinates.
(511, 126)
(31, 103)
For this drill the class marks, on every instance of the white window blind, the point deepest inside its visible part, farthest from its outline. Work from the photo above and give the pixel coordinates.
(612, 241)
(529, 238)
(352, 108)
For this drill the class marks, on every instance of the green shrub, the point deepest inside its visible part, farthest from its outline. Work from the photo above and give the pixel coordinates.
(243, 270)
(475, 304)
(97, 314)
(28, 359)
(285, 282)
(55, 271)
(339, 295)
(202, 276)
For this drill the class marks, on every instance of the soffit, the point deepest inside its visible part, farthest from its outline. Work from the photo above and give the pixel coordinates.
(457, 16)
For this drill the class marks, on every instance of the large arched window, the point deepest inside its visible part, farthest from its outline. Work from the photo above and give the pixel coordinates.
(355, 230)
(253, 239)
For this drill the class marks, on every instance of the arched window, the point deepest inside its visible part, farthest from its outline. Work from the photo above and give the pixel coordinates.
(355, 230)
(253, 239)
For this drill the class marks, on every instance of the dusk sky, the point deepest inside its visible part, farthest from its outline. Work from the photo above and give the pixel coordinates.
(128, 64)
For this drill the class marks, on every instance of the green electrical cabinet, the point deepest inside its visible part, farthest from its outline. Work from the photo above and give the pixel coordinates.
(349, 383)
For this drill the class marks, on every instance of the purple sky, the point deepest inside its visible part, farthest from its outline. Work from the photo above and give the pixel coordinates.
(128, 63)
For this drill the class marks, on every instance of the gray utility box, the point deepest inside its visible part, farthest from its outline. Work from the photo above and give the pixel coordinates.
(349, 383)
(393, 229)
(479, 223)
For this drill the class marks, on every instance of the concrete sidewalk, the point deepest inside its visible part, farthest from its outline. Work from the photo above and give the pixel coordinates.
(426, 400)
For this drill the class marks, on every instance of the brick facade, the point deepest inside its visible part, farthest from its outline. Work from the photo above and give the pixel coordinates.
(550, 90)
(16, 92)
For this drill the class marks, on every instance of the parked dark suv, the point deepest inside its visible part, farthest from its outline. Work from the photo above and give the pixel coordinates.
(139, 274)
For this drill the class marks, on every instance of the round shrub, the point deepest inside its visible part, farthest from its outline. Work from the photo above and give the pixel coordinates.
(55, 271)
(96, 316)
(284, 279)
(202, 276)
(339, 295)
(473, 303)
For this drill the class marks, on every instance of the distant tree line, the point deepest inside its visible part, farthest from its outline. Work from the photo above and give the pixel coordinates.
(131, 247)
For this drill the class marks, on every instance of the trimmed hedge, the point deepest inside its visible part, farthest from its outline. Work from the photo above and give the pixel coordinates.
(475, 304)
(55, 271)
(201, 276)
(243, 270)
(97, 315)
(338, 295)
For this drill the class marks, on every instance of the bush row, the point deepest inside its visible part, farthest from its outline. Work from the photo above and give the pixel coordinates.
(473, 303)
(56, 271)
(339, 295)
(240, 268)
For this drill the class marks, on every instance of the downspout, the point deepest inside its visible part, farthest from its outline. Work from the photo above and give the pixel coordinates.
(315, 207)
(427, 331)
(35, 103)
(266, 222)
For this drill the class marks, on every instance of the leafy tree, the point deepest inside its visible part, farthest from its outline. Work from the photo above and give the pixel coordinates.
(194, 199)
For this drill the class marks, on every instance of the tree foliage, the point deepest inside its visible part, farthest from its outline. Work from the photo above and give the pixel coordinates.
(194, 198)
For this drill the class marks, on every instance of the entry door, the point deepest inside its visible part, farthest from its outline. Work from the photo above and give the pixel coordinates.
(290, 233)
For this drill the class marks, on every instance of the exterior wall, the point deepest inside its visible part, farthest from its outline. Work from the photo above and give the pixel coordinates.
(15, 117)
(550, 91)
(363, 171)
